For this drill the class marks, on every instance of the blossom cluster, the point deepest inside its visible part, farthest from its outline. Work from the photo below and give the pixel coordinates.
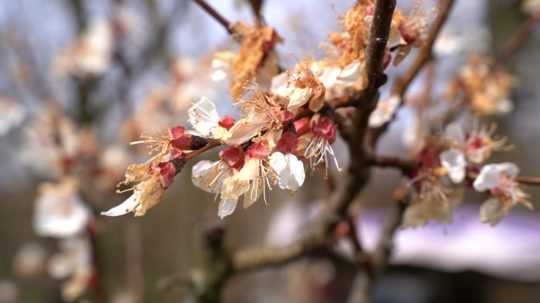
(453, 160)
(286, 118)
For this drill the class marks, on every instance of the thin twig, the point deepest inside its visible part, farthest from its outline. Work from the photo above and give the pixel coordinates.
(216, 15)
(518, 38)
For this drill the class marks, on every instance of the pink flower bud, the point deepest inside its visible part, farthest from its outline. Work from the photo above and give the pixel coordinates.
(226, 122)
(233, 157)
(179, 138)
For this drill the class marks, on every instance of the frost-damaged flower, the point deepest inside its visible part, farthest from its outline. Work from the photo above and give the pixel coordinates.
(59, 210)
(384, 111)
(256, 60)
(299, 87)
(74, 265)
(261, 111)
(322, 136)
(500, 181)
(12, 115)
(487, 87)
(149, 180)
(340, 82)
(91, 54)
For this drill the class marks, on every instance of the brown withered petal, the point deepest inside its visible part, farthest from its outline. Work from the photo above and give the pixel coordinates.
(256, 45)
(151, 192)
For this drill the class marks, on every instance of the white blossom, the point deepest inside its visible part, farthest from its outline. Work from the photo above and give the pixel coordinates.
(289, 169)
(74, 262)
(491, 174)
(226, 207)
(59, 211)
(453, 160)
(203, 116)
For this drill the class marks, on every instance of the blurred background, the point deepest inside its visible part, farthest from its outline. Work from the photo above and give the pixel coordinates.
(81, 79)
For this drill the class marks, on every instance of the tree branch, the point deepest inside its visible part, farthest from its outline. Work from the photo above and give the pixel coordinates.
(424, 56)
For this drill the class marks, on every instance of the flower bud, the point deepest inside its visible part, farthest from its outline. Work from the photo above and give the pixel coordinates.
(226, 122)
(233, 157)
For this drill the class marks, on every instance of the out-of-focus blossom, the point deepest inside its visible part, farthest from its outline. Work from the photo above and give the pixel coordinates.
(416, 133)
(54, 145)
(91, 54)
(384, 111)
(221, 65)
(453, 160)
(112, 162)
(29, 260)
(74, 265)
(499, 180)
(486, 87)
(12, 115)
(477, 143)
(8, 292)
(59, 211)
(531, 7)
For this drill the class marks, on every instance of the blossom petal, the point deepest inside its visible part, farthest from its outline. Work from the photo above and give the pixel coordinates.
(226, 207)
(490, 174)
(208, 176)
(123, 208)
(454, 162)
(245, 129)
(290, 170)
(203, 116)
